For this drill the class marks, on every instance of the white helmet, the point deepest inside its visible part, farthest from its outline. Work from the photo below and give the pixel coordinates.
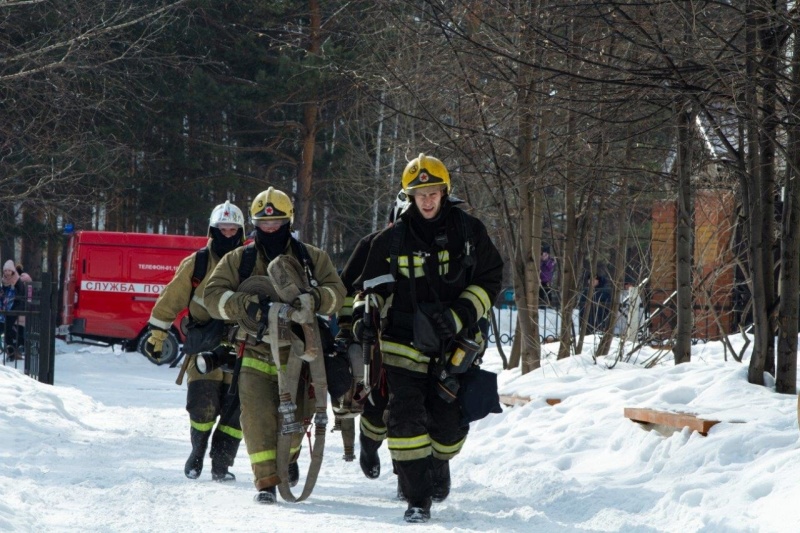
(226, 213)
(401, 203)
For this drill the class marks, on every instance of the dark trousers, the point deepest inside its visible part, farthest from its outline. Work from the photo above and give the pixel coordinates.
(374, 409)
(207, 399)
(416, 411)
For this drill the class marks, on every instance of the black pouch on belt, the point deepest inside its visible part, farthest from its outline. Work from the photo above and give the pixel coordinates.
(203, 338)
(426, 336)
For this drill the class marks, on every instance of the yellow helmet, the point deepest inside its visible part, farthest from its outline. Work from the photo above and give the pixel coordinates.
(425, 171)
(271, 204)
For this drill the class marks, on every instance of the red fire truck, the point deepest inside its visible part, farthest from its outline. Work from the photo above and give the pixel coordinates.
(110, 282)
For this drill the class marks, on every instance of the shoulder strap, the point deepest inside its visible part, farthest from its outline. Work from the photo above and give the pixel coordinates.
(250, 255)
(248, 263)
(398, 236)
(201, 257)
(469, 247)
(200, 268)
(301, 252)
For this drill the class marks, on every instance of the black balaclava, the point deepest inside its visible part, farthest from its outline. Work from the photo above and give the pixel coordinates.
(423, 228)
(221, 245)
(274, 243)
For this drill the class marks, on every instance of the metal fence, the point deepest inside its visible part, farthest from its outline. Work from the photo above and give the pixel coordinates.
(505, 318)
(39, 346)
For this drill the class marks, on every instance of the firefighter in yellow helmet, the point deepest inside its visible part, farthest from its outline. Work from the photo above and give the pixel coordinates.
(272, 213)
(447, 272)
(207, 395)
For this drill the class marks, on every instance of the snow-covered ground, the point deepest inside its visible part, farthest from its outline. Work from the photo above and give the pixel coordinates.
(103, 450)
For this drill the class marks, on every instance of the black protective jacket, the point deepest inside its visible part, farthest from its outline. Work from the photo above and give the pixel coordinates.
(435, 254)
(350, 273)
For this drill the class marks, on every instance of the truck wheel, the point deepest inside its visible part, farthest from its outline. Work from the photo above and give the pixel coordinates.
(169, 350)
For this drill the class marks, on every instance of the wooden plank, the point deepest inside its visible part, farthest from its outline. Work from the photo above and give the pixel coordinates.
(512, 400)
(666, 418)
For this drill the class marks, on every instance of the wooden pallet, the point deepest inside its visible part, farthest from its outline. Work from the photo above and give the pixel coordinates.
(669, 419)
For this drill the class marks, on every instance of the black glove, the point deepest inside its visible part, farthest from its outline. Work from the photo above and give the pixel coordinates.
(258, 308)
(446, 324)
(364, 333)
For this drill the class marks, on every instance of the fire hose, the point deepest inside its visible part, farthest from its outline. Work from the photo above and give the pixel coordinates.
(286, 282)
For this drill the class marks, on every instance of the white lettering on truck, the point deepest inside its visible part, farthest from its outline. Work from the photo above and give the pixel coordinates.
(121, 286)
(145, 266)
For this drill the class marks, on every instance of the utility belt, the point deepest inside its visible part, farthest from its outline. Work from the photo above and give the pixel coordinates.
(447, 360)
(239, 335)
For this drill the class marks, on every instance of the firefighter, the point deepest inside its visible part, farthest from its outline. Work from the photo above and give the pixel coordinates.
(207, 396)
(447, 273)
(372, 425)
(272, 214)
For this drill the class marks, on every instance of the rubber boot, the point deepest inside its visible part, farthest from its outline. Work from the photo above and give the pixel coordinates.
(294, 474)
(266, 496)
(369, 459)
(223, 452)
(440, 479)
(400, 495)
(418, 512)
(348, 427)
(414, 479)
(194, 464)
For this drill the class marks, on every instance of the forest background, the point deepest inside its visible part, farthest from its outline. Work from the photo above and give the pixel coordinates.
(561, 123)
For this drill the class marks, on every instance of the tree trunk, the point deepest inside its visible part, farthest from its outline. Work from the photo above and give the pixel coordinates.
(684, 246)
(310, 117)
(767, 140)
(569, 292)
(752, 180)
(619, 274)
(789, 314)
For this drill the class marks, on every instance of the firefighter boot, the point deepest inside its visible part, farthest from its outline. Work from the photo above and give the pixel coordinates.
(194, 464)
(414, 480)
(266, 496)
(348, 427)
(440, 479)
(223, 452)
(294, 474)
(418, 513)
(369, 460)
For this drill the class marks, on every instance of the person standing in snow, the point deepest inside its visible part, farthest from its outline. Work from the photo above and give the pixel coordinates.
(547, 269)
(447, 274)
(24, 278)
(12, 298)
(207, 396)
(372, 426)
(272, 214)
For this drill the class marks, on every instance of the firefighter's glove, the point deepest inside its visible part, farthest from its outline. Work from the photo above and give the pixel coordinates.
(258, 308)
(155, 343)
(447, 324)
(304, 309)
(364, 333)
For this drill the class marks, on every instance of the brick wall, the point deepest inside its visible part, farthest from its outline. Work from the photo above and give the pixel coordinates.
(713, 286)
(662, 274)
(713, 280)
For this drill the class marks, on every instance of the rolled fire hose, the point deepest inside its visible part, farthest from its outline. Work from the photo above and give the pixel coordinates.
(285, 283)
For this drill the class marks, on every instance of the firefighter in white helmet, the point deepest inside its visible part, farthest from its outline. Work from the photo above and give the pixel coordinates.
(208, 397)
